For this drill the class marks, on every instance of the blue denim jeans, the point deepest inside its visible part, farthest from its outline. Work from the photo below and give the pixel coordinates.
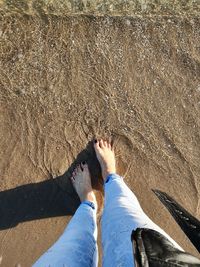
(77, 246)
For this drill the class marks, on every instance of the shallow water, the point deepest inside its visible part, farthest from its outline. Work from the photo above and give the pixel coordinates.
(65, 80)
(99, 7)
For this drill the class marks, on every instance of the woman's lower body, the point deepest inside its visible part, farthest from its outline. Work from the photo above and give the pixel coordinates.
(77, 247)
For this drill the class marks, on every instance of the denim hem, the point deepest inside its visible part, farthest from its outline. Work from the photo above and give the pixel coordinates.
(111, 177)
(89, 203)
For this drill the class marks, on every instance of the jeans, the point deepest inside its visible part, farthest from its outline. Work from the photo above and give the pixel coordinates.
(77, 246)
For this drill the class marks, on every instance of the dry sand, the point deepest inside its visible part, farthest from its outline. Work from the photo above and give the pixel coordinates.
(66, 80)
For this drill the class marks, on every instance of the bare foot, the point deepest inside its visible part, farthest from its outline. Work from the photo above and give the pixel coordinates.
(81, 181)
(106, 156)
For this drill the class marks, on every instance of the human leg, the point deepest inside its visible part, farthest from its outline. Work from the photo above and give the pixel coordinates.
(77, 246)
(122, 214)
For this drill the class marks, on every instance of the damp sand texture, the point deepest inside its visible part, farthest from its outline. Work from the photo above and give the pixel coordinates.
(66, 78)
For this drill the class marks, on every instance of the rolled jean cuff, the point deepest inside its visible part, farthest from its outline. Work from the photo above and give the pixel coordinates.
(111, 177)
(89, 203)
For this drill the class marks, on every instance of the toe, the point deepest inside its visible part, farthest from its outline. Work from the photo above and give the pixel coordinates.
(78, 168)
(109, 145)
(96, 144)
(72, 179)
(105, 143)
(101, 143)
(83, 165)
(86, 166)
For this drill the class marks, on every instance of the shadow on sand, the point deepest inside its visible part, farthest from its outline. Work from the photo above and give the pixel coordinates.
(50, 198)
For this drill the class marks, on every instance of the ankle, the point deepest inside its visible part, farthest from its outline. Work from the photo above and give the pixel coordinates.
(90, 196)
(107, 172)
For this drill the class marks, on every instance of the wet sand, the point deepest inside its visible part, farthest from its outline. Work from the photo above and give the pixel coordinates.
(66, 80)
